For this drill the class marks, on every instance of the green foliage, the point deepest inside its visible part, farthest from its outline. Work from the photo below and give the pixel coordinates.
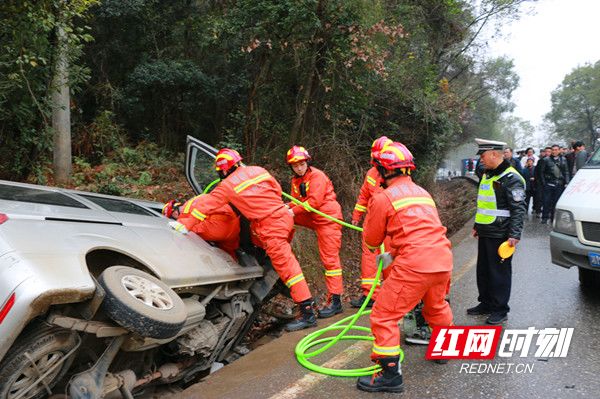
(145, 179)
(28, 32)
(97, 139)
(575, 112)
(257, 75)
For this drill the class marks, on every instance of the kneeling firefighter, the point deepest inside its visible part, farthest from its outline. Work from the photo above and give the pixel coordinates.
(221, 227)
(312, 185)
(257, 195)
(421, 268)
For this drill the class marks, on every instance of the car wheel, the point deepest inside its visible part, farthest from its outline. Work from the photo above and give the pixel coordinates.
(142, 303)
(31, 356)
(589, 278)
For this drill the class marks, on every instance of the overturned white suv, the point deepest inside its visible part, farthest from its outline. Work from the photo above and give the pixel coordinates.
(98, 293)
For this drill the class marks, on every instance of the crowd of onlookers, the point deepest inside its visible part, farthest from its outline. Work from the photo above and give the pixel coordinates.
(547, 174)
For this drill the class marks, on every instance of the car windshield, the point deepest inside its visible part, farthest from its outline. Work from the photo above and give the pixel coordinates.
(594, 161)
(115, 205)
(32, 195)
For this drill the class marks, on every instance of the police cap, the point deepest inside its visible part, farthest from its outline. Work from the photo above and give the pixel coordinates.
(486, 145)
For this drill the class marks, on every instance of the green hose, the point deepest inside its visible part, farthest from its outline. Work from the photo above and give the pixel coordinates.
(313, 339)
(212, 183)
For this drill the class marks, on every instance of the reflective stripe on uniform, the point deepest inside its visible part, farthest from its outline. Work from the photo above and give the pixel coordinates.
(333, 272)
(386, 350)
(198, 215)
(486, 198)
(371, 181)
(188, 205)
(360, 208)
(296, 279)
(404, 202)
(494, 212)
(242, 186)
(369, 281)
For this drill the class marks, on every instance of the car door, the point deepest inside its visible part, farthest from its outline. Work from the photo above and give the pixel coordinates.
(200, 173)
(199, 164)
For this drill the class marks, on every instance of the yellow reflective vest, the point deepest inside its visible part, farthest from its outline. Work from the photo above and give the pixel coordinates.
(487, 209)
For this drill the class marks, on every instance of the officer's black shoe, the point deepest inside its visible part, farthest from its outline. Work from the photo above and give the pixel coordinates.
(479, 309)
(357, 302)
(496, 318)
(389, 379)
(306, 319)
(334, 307)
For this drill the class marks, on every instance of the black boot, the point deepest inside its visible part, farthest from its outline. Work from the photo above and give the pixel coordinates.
(357, 303)
(334, 307)
(306, 319)
(389, 379)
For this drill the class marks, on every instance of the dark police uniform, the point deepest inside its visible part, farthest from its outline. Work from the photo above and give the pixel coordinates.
(500, 213)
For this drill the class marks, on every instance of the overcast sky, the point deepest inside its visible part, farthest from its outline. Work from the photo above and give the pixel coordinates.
(559, 36)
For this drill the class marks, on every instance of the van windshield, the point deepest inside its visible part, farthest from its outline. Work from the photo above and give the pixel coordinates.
(594, 161)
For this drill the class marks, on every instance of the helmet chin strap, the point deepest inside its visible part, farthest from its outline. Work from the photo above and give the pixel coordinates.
(397, 172)
(223, 174)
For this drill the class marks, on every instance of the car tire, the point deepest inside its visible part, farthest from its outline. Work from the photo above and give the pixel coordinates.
(589, 278)
(44, 346)
(142, 303)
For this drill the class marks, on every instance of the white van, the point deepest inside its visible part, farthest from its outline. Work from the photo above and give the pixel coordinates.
(575, 236)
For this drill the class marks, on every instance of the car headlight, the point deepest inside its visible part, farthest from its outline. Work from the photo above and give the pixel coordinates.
(564, 222)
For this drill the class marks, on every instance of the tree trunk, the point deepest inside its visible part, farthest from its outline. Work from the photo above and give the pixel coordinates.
(61, 112)
(307, 88)
(296, 132)
(252, 124)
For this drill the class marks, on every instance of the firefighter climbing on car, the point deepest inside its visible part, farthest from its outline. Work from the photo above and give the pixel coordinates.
(311, 185)
(257, 196)
(221, 226)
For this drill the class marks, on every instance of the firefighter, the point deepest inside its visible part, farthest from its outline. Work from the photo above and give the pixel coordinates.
(257, 195)
(371, 185)
(421, 267)
(221, 227)
(311, 185)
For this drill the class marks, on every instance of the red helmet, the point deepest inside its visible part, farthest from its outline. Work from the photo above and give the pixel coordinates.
(226, 159)
(378, 145)
(170, 207)
(297, 154)
(396, 156)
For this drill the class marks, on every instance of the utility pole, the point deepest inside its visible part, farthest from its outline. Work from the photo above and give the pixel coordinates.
(61, 112)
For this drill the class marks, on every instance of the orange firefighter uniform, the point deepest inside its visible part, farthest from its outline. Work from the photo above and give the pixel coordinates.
(315, 188)
(368, 267)
(257, 195)
(221, 226)
(422, 264)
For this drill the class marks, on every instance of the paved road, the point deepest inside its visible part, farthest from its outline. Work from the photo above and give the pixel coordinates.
(543, 296)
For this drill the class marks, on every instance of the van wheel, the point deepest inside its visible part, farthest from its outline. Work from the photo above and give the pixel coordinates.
(142, 303)
(589, 278)
(34, 354)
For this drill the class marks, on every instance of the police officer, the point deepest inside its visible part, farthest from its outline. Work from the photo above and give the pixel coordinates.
(499, 218)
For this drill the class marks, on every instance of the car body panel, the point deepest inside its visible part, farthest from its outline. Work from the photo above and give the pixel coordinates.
(581, 197)
(43, 247)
